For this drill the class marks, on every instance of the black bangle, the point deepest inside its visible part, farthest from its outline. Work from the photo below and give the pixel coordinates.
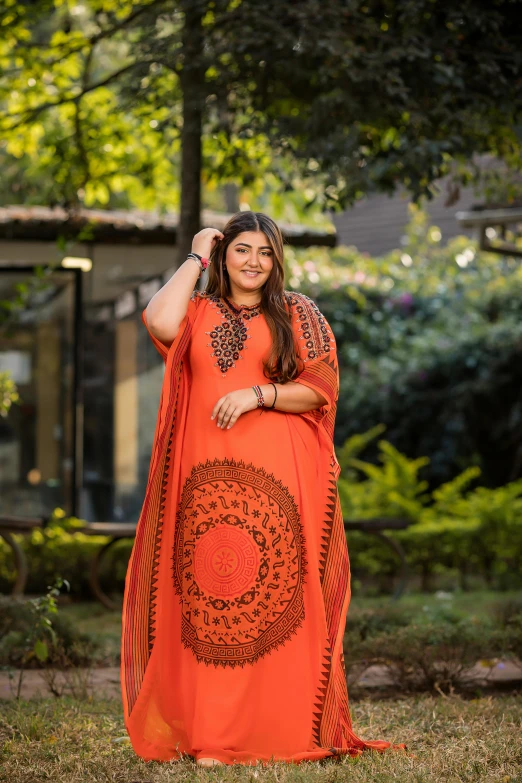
(275, 398)
(197, 260)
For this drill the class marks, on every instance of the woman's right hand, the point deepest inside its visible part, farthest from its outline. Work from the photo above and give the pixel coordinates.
(204, 241)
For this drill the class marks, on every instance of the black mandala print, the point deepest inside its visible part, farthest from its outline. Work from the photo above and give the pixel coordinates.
(239, 563)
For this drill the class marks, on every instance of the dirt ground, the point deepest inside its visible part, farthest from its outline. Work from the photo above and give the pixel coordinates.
(106, 681)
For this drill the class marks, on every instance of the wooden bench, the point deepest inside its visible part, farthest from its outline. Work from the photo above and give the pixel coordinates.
(376, 527)
(10, 525)
(115, 532)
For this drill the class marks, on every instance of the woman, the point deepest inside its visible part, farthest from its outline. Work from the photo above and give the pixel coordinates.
(239, 581)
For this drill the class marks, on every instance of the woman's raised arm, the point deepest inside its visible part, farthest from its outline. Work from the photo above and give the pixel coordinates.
(168, 307)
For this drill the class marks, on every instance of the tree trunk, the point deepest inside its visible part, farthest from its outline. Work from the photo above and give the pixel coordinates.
(426, 576)
(463, 575)
(192, 81)
(231, 193)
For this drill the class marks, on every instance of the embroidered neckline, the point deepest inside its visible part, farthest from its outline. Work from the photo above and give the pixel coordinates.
(230, 336)
(237, 307)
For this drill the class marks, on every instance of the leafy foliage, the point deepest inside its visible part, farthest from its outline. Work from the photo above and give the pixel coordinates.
(430, 344)
(435, 645)
(472, 533)
(97, 95)
(60, 548)
(33, 634)
(8, 393)
(434, 656)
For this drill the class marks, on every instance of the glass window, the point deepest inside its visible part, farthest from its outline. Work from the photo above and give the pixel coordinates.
(123, 374)
(37, 435)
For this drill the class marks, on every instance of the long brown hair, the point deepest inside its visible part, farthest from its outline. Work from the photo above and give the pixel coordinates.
(282, 364)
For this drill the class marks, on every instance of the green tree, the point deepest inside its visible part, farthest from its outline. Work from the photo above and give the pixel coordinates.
(115, 96)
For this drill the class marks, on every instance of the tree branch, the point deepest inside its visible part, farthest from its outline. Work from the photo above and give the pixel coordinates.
(32, 114)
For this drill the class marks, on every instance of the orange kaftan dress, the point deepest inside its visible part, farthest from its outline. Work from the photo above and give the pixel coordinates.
(239, 580)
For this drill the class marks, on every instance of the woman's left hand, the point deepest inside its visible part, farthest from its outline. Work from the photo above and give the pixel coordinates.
(230, 407)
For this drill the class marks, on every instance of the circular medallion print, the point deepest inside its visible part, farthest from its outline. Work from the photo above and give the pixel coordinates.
(239, 561)
(225, 561)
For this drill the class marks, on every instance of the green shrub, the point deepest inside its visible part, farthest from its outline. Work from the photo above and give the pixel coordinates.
(363, 624)
(432, 647)
(427, 655)
(18, 619)
(430, 344)
(510, 641)
(509, 632)
(60, 549)
(473, 532)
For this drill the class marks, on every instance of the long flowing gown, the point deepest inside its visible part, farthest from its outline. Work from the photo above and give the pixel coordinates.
(239, 579)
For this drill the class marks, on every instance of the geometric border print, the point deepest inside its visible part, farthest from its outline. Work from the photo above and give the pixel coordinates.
(331, 715)
(239, 563)
(139, 607)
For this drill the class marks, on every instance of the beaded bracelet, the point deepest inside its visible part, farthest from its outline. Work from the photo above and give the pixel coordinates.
(201, 261)
(261, 399)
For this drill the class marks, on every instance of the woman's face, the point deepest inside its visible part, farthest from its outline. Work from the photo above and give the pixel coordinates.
(249, 260)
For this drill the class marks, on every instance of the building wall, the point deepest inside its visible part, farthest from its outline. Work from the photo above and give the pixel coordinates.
(377, 224)
(115, 267)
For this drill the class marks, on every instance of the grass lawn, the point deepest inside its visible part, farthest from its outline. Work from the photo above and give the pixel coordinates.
(449, 739)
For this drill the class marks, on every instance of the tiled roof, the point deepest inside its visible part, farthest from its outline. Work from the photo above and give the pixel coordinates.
(18, 222)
